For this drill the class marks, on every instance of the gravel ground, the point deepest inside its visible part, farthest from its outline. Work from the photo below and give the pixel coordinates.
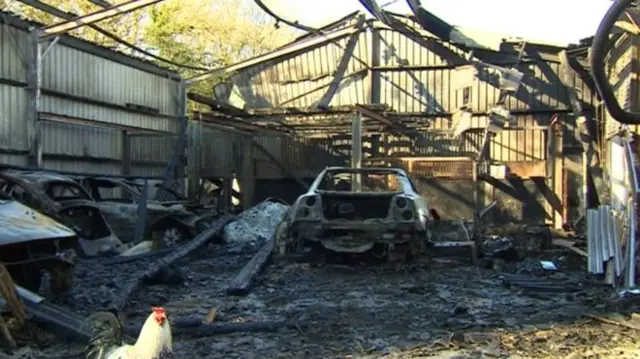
(429, 309)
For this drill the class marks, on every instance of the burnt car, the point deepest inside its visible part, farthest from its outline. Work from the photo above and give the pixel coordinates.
(66, 201)
(30, 242)
(168, 222)
(347, 210)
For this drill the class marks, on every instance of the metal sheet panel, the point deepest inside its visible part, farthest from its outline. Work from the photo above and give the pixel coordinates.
(308, 79)
(13, 124)
(151, 171)
(71, 71)
(81, 141)
(521, 145)
(396, 49)
(434, 91)
(12, 50)
(81, 166)
(221, 153)
(72, 108)
(151, 148)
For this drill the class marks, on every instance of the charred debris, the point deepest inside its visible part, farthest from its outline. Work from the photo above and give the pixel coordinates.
(405, 191)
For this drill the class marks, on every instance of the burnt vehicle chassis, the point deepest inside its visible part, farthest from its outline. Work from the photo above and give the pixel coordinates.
(66, 201)
(168, 222)
(31, 242)
(389, 224)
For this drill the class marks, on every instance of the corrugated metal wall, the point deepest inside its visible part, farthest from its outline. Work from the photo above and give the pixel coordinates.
(304, 80)
(85, 81)
(303, 156)
(426, 89)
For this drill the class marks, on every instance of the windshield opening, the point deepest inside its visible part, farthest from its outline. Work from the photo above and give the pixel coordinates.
(370, 181)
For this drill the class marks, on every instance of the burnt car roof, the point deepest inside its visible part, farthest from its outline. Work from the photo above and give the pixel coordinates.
(19, 223)
(393, 170)
(38, 177)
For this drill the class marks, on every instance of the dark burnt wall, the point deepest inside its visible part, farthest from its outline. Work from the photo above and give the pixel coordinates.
(518, 200)
(453, 199)
(287, 189)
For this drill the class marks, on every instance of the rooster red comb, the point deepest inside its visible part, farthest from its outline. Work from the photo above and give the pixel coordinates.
(158, 310)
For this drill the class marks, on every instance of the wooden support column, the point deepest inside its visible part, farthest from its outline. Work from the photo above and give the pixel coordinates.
(194, 159)
(248, 173)
(356, 149)
(126, 153)
(34, 84)
(557, 173)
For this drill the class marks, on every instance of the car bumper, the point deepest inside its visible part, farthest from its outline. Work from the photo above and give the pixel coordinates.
(355, 236)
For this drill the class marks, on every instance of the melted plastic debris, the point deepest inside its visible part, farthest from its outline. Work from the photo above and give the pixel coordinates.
(256, 224)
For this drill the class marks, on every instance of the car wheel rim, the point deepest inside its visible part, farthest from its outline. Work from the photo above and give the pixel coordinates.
(171, 236)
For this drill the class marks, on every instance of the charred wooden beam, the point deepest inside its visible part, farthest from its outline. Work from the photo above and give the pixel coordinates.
(241, 284)
(51, 117)
(195, 328)
(183, 251)
(346, 109)
(277, 54)
(390, 123)
(103, 14)
(216, 105)
(237, 123)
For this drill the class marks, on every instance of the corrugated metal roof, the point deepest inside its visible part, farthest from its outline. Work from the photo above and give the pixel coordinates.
(92, 48)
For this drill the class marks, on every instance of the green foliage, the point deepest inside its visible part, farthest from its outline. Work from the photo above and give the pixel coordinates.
(188, 32)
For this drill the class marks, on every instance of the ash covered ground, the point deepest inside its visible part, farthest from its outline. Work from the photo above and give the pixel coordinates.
(432, 308)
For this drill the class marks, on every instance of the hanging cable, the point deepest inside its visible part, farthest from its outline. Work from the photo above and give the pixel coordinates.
(599, 49)
(294, 24)
(51, 10)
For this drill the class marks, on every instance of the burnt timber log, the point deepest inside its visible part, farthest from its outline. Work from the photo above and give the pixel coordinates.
(241, 284)
(200, 240)
(205, 330)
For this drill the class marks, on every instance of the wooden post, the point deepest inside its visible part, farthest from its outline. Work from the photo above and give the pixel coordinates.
(34, 83)
(557, 166)
(248, 173)
(126, 153)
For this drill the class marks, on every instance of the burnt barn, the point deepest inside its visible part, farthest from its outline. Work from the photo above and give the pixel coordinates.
(469, 123)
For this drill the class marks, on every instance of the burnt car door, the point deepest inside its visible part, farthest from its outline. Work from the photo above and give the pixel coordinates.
(118, 202)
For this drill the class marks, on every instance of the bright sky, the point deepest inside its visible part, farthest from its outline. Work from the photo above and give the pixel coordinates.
(558, 21)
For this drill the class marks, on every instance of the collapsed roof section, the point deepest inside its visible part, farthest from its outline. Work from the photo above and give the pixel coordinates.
(412, 70)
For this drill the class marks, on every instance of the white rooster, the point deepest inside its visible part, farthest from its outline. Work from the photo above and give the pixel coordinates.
(154, 341)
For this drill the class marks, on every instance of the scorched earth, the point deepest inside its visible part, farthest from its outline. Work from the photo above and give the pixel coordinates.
(436, 308)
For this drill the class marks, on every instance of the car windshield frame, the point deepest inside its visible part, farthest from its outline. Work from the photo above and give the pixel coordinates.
(353, 172)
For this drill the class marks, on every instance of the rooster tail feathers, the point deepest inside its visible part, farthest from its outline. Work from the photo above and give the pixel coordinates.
(106, 332)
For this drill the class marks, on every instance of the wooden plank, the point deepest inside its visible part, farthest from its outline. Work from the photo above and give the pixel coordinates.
(241, 284)
(569, 245)
(527, 169)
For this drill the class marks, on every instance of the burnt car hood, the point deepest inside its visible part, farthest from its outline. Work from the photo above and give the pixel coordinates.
(19, 223)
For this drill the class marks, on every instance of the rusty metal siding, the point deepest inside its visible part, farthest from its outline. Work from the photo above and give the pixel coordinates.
(151, 148)
(265, 168)
(528, 144)
(305, 157)
(220, 152)
(622, 68)
(81, 141)
(71, 108)
(12, 50)
(80, 166)
(433, 91)
(13, 127)
(303, 80)
(396, 49)
(74, 72)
